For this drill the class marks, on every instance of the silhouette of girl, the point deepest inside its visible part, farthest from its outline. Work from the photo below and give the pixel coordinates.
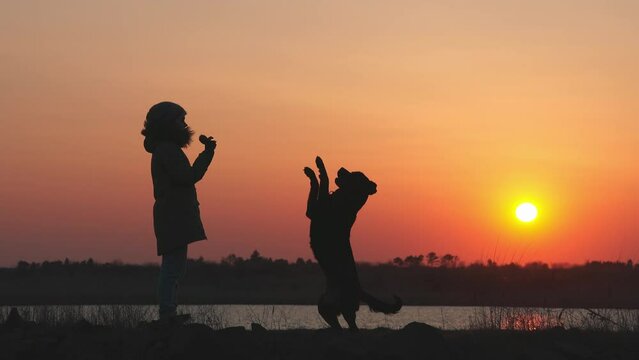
(176, 213)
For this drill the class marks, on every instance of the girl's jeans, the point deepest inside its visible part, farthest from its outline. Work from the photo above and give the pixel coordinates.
(171, 272)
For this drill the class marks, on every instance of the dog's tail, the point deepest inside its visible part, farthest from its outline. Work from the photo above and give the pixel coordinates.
(377, 305)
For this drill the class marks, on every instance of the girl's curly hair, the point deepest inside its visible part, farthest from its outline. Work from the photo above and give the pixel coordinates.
(160, 126)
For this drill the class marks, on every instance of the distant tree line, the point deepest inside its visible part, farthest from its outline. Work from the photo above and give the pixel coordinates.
(430, 259)
(422, 279)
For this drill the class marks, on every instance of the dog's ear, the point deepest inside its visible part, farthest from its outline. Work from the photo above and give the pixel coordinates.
(343, 172)
(343, 177)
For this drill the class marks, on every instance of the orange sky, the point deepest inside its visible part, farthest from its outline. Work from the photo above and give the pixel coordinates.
(457, 109)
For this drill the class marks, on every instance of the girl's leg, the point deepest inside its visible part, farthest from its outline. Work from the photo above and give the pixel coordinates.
(171, 271)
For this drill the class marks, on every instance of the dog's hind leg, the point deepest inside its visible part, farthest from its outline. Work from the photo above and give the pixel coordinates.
(329, 313)
(349, 316)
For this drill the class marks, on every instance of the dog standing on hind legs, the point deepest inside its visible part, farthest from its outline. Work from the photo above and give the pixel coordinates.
(332, 216)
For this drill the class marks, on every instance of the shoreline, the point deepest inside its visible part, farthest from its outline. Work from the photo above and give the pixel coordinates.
(512, 306)
(286, 317)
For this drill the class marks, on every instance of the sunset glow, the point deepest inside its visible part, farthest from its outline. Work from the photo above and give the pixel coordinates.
(458, 110)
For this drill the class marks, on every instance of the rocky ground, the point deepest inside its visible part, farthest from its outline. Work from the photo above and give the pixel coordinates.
(20, 339)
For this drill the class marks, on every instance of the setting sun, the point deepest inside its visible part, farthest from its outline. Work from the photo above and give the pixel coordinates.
(526, 212)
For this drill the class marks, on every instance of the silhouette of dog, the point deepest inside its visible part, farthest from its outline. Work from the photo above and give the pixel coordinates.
(332, 217)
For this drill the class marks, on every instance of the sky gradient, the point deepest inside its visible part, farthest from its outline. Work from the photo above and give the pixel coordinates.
(458, 110)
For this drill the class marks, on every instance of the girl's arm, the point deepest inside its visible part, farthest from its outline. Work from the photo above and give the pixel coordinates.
(177, 166)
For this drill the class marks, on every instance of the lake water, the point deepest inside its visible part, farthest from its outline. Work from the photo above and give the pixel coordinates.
(282, 317)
